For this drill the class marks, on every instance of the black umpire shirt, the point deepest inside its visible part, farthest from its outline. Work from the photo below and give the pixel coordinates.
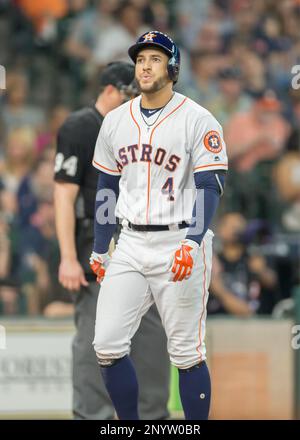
(76, 142)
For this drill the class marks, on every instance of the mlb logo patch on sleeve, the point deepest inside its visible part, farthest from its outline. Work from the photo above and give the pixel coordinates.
(212, 141)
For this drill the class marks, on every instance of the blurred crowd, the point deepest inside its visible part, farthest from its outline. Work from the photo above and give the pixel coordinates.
(237, 57)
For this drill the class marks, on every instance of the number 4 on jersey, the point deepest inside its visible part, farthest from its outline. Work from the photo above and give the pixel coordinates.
(168, 189)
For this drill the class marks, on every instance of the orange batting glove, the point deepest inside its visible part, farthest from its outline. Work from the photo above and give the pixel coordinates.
(183, 261)
(98, 264)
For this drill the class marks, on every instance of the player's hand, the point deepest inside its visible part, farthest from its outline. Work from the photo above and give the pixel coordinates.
(98, 264)
(182, 262)
(71, 274)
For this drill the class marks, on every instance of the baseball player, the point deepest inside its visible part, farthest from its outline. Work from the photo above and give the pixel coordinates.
(162, 162)
(75, 192)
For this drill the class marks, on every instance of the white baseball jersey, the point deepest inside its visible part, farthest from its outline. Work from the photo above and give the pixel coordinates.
(156, 163)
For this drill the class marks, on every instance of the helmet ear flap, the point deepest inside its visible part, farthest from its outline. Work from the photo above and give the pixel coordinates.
(173, 69)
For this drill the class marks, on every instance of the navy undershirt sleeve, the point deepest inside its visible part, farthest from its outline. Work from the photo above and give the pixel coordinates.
(105, 220)
(209, 185)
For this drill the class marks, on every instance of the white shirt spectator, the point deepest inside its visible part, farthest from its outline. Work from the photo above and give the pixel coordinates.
(113, 44)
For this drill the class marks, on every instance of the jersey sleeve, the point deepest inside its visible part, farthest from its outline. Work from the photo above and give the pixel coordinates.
(104, 159)
(69, 163)
(209, 148)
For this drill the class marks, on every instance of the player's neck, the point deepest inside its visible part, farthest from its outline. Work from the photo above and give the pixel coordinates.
(157, 99)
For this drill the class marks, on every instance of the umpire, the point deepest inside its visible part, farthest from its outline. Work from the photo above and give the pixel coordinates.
(74, 196)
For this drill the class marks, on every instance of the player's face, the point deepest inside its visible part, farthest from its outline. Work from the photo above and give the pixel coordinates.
(151, 70)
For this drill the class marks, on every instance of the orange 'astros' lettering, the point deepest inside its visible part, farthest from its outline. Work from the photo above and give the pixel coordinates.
(147, 153)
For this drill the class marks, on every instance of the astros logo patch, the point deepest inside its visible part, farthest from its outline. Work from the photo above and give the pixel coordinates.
(149, 36)
(212, 141)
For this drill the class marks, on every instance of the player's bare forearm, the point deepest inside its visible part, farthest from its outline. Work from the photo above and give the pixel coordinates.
(64, 199)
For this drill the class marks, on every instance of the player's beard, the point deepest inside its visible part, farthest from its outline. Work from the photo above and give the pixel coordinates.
(156, 86)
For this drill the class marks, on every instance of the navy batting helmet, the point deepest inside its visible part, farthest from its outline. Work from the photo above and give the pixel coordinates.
(156, 38)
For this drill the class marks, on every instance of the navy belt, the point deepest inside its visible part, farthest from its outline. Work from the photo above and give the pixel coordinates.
(152, 228)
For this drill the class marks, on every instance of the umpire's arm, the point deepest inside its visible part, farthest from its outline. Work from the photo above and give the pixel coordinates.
(68, 172)
(70, 273)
